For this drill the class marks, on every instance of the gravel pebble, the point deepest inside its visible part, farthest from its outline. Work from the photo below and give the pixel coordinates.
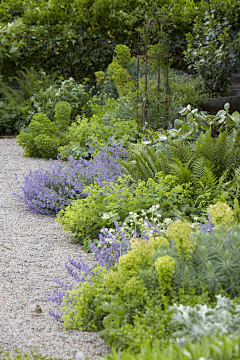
(33, 250)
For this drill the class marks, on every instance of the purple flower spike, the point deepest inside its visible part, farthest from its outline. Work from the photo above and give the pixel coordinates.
(206, 228)
(48, 191)
(111, 246)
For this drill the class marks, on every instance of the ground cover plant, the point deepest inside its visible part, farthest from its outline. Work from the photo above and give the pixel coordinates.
(114, 201)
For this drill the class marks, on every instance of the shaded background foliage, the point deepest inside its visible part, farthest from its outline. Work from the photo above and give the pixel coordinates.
(77, 38)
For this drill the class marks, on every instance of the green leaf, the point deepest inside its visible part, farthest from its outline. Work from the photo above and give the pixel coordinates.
(227, 106)
(178, 123)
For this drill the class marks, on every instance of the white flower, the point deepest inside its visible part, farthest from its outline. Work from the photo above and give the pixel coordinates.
(157, 206)
(167, 220)
(195, 218)
(105, 216)
(159, 215)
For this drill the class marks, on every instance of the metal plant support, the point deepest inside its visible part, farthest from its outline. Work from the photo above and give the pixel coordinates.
(145, 101)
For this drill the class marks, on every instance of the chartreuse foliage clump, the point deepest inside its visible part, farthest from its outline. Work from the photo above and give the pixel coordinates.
(84, 218)
(221, 214)
(132, 303)
(181, 232)
(44, 136)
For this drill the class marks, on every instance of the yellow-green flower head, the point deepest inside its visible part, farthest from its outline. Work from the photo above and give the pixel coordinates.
(165, 268)
(180, 232)
(220, 214)
(158, 241)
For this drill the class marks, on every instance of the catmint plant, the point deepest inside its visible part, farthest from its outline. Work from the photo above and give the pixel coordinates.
(206, 227)
(112, 244)
(48, 191)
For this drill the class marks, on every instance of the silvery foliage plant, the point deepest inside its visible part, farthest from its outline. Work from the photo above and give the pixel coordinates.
(200, 320)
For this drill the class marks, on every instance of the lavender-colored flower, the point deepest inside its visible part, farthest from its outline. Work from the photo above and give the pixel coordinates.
(111, 246)
(48, 191)
(154, 230)
(55, 315)
(206, 227)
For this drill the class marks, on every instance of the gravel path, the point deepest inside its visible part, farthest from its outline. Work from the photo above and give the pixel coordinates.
(33, 250)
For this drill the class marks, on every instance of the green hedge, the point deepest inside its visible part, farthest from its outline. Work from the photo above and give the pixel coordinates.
(77, 38)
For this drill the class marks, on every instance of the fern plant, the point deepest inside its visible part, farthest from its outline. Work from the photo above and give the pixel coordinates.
(208, 161)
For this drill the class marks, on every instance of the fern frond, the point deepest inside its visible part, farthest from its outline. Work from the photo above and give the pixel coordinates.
(144, 163)
(144, 166)
(198, 167)
(219, 152)
(181, 151)
(131, 169)
(204, 146)
(183, 174)
(223, 185)
(165, 163)
(209, 179)
(237, 173)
